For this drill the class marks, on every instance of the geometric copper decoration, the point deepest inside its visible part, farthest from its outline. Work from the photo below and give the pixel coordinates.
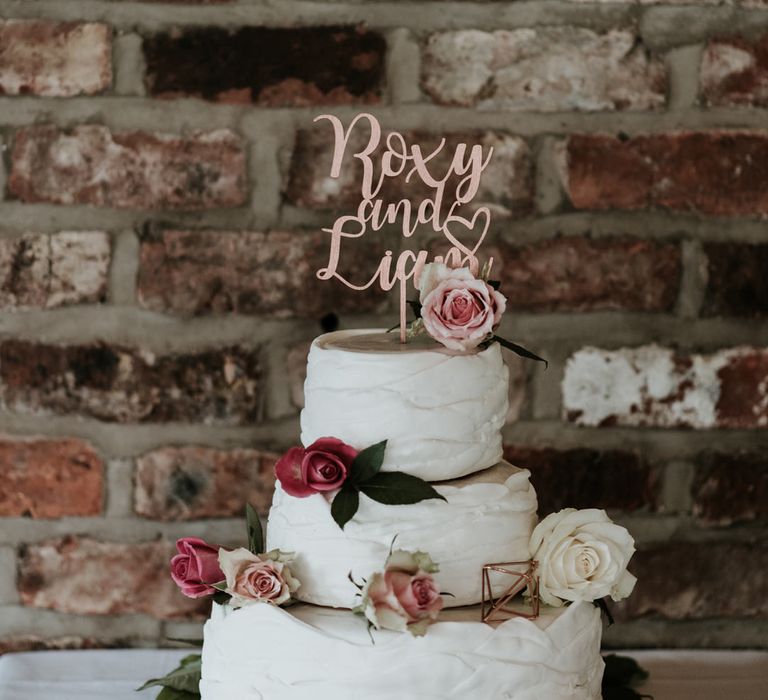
(521, 574)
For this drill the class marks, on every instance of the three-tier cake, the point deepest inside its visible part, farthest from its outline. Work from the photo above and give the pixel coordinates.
(441, 412)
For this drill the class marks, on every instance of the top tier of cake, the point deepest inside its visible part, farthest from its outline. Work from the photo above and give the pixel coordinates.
(441, 411)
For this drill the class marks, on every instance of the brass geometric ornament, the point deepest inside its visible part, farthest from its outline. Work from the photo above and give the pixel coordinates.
(520, 575)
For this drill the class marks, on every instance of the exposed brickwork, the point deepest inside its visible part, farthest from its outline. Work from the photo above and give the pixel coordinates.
(734, 71)
(731, 488)
(687, 580)
(543, 69)
(54, 59)
(722, 173)
(580, 274)
(654, 386)
(44, 478)
(163, 186)
(587, 478)
(90, 165)
(57, 270)
(80, 575)
(126, 385)
(274, 67)
(737, 280)
(247, 272)
(183, 483)
(507, 183)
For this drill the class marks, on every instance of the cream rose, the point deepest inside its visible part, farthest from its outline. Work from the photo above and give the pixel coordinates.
(457, 309)
(252, 578)
(582, 555)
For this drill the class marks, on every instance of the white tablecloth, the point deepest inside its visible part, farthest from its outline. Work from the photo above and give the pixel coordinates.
(114, 675)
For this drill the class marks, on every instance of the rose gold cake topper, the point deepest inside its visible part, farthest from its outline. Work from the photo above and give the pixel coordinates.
(400, 159)
(523, 575)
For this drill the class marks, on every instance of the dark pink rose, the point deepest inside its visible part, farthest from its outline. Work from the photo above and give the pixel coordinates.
(196, 567)
(323, 466)
(458, 310)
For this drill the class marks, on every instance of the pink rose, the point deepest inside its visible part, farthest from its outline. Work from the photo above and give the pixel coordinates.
(457, 309)
(323, 466)
(404, 597)
(252, 578)
(196, 567)
(417, 594)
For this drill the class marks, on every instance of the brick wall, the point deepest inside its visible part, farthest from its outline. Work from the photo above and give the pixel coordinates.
(162, 190)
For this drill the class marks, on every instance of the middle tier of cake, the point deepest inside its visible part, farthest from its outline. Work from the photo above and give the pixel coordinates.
(486, 518)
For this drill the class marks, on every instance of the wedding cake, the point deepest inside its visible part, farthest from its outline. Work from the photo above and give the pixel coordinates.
(403, 556)
(441, 413)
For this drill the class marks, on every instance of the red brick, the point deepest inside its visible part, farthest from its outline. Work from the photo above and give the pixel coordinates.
(734, 71)
(543, 69)
(54, 59)
(655, 386)
(721, 173)
(694, 580)
(587, 478)
(248, 272)
(49, 478)
(126, 385)
(90, 165)
(731, 487)
(184, 483)
(273, 67)
(737, 280)
(506, 186)
(83, 576)
(581, 274)
(48, 271)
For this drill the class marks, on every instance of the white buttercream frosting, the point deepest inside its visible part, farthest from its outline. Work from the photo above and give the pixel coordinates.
(487, 518)
(308, 653)
(441, 411)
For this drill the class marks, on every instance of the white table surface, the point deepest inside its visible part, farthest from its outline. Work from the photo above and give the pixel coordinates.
(115, 674)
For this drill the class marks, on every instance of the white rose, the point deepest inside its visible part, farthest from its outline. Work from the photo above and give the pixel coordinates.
(582, 555)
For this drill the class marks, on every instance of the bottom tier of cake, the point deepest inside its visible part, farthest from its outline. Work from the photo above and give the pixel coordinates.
(308, 652)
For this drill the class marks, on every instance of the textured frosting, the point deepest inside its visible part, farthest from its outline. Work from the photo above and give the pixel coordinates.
(307, 653)
(441, 411)
(487, 518)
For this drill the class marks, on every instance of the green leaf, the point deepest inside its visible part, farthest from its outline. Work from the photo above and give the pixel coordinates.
(520, 350)
(185, 678)
(415, 307)
(173, 694)
(255, 533)
(221, 597)
(494, 284)
(345, 504)
(622, 670)
(368, 462)
(397, 488)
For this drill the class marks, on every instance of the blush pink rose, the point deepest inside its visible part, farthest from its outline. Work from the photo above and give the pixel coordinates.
(252, 578)
(196, 567)
(418, 594)
(457, 309)
(405, 596)
(323, 466)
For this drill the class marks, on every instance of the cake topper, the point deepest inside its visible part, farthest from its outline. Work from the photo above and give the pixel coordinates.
(441, 211)
(458, 304)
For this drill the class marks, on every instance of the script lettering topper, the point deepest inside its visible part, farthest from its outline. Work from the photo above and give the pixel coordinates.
(400, 159)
